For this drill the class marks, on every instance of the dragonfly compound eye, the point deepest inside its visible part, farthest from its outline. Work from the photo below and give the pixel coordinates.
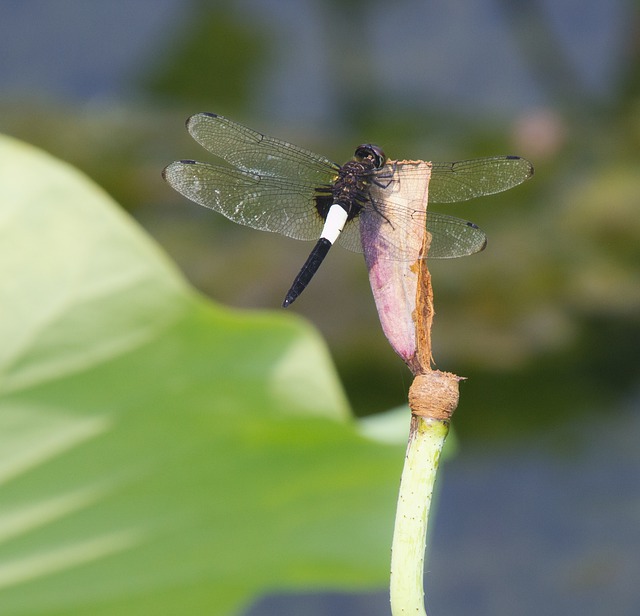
(374, 152)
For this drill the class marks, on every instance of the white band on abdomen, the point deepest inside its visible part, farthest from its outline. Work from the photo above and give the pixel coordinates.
(334, 223)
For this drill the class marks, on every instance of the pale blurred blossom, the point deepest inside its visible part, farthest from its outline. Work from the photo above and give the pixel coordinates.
(539, 133)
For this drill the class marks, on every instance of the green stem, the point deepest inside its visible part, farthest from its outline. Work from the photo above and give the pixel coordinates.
(426, 439)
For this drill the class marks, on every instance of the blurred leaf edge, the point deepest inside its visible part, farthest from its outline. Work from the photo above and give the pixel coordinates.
(102, 341)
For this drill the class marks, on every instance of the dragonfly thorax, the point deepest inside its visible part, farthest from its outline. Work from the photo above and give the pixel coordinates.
(351, 189)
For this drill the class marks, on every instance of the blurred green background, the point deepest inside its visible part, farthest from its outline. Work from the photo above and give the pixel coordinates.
(545, 323)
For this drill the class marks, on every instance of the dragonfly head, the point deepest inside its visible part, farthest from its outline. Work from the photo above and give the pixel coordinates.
(373, 152)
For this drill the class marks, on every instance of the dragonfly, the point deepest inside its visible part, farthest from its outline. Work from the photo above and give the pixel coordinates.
(272, 185)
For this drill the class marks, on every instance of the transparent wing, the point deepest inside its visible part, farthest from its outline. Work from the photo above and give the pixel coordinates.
(453, 237)
(467, 179)
(257, 201)
(275, 184)
(396, 218)
(399, 228)
(254, 152)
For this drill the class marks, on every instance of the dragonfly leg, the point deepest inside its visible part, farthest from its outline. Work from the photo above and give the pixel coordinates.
(378, 211)
(385, 175)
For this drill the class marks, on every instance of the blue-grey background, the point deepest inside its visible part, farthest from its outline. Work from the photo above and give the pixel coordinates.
(539, 513)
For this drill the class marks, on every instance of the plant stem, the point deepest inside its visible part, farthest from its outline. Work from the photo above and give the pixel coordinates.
(426, 439)
(404, 298)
